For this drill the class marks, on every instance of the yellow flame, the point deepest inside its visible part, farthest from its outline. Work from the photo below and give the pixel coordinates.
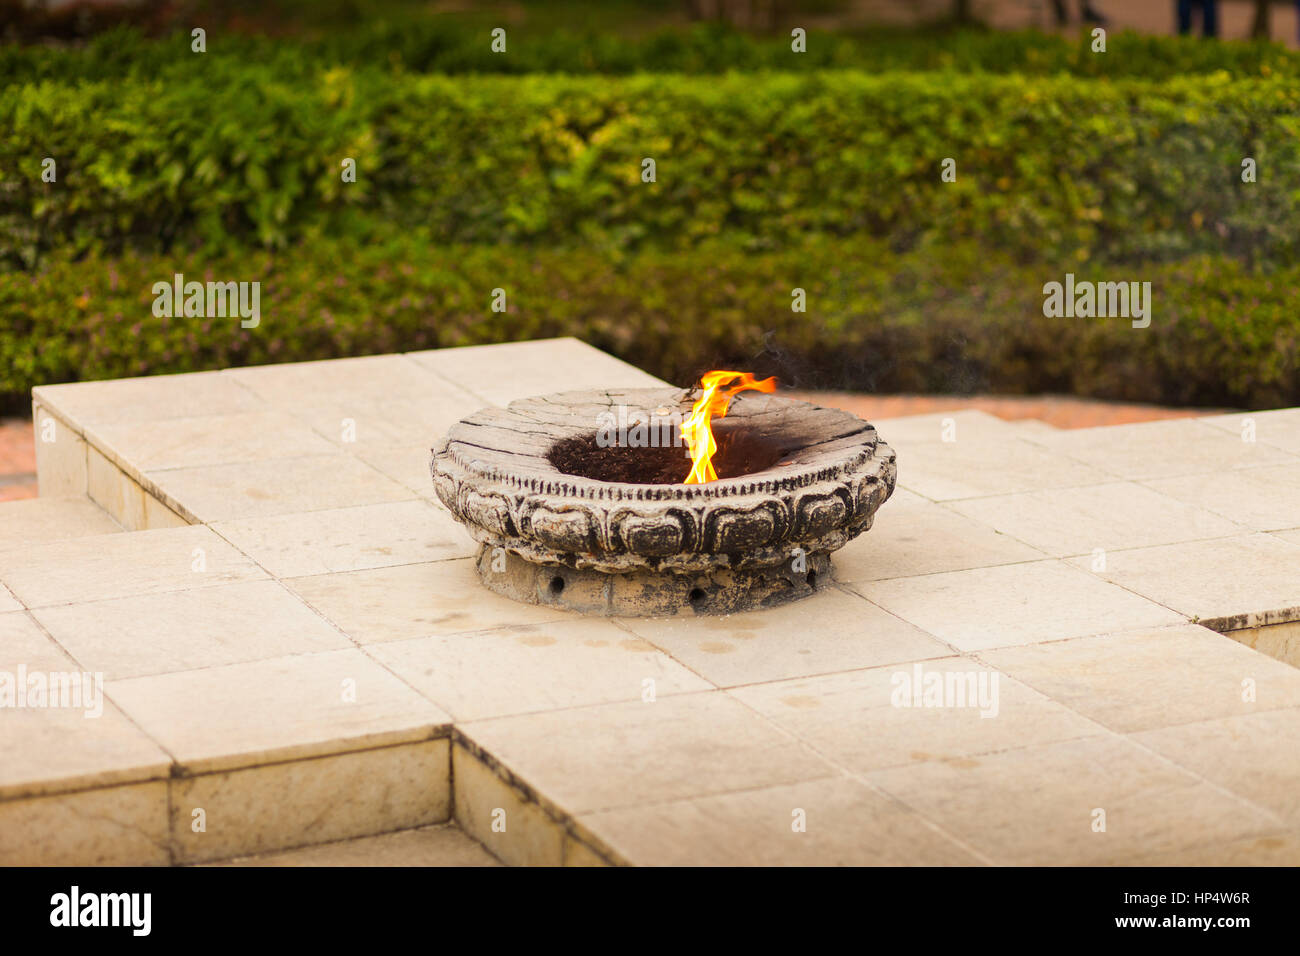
(697, 431)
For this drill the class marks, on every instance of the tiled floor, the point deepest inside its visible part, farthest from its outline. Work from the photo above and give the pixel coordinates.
(296, 652)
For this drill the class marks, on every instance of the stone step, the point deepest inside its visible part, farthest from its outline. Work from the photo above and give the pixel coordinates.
(442, 845)
(31, 521)
(1033, 426)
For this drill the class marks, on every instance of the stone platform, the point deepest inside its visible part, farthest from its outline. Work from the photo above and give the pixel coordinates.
(296, 649)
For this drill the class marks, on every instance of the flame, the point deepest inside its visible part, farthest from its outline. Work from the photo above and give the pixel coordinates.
(697, 430)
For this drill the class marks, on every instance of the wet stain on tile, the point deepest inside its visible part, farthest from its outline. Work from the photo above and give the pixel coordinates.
(717, 647)
(801, 701)
(536, 640)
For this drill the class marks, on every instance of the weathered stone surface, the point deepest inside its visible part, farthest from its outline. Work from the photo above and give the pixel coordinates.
(674, 540)
(653, 593)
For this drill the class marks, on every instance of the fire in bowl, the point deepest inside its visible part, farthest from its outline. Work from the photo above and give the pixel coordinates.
(605, 501)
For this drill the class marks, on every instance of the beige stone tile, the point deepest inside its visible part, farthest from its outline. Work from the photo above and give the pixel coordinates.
(679, 746)
(300, 385)
(944, 471)
(301, 802)
(1255, 755)
(1038, 805)
(578, 853)
(126, 500)
(120, 496)
(349, 539)
(1029, 427)
(1279, 428)
(113, 826)
(1014, 604)
(54, 750)
(206, 440)
(158, 515)
(1242, 581)
(910, 539)
(187, 630)
(902, 499)
(285, 708)
(1277, 849)
(891, 716)
(7, 601)
(1259, 499)
(1162, 449)
(566, 663)
(1070, 521)
(956, 426)
(844, 824)
(832, 630)
(121, 565)
(503, 818)
(443, 844)
(501, 373)
(1279, 641)
(148, 399)
(408, 466)
(1139, 680)
(60, 456)
(415, 600)
(22, 641)
(288, 486)
(70, 737)
(362, 425)
(38, 520)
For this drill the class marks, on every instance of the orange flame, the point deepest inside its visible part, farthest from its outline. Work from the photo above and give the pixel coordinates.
(697, 431)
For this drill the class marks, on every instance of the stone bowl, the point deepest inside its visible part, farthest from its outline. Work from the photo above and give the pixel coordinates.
(634, 548)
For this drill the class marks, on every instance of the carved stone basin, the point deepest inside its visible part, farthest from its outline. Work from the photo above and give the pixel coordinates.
(531, 483)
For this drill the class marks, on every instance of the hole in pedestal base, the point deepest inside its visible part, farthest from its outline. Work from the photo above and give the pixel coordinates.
(812, 579)
(696, 596)
(556, 586)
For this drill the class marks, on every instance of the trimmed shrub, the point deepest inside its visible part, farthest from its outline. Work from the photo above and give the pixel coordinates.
(1221, 334)
(1055, 168)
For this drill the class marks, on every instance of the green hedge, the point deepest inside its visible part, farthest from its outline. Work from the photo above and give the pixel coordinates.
(877, 321)
(1047, 167)
(439, 45)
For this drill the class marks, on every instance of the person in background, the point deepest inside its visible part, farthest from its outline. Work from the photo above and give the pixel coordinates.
(1086, 13)
(1209, 16)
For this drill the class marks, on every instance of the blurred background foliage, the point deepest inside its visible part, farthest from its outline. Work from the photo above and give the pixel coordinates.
(775, 170)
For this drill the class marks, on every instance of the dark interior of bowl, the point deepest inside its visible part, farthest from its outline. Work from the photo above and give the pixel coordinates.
(741, 451)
